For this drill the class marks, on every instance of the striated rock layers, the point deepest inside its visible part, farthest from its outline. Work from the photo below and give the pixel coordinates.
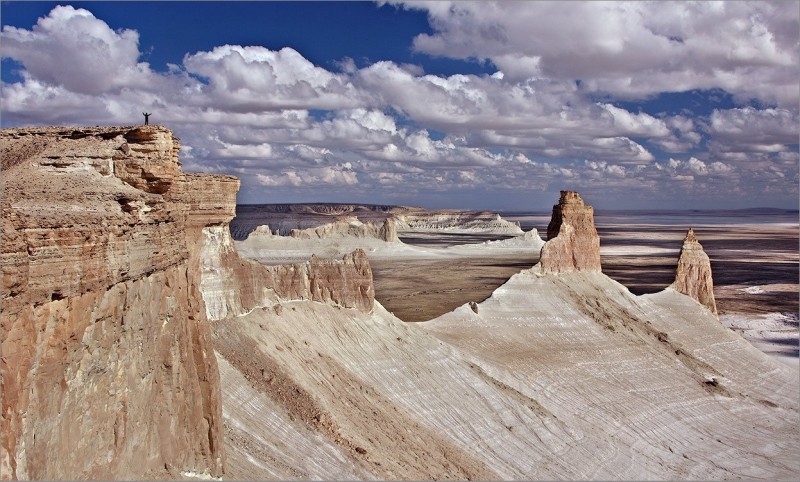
(453, 221)
(693, 274)
(107, 365)
(572, 240)
(114, 261)
(283, 218)
(234, 286)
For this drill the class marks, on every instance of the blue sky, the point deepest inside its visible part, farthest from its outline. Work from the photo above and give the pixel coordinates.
(477, 105)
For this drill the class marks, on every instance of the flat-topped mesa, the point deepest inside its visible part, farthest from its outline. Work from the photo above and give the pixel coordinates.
(693, 273)
(572, 240)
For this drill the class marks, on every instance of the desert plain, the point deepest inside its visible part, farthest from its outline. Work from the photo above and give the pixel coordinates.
(754, 256)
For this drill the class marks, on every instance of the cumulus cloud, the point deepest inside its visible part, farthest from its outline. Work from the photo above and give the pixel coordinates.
(239, 77)
(754, 130)
(277, 120)
(73, 49)
(628, 49)
(328, 175)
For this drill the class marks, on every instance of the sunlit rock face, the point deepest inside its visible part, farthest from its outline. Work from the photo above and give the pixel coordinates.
(693, 274)
(233, 286)
(107, 370)
(572, 240)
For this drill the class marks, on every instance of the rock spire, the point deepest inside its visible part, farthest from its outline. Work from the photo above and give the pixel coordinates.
(693, 274)
(572, 240)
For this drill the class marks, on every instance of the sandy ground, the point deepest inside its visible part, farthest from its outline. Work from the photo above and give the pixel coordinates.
(419, 290)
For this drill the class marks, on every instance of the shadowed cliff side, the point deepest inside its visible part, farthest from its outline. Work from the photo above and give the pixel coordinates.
(233, 286)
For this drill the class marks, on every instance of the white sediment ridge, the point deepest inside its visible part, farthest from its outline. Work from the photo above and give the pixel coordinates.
(336, 239)
(557, 375)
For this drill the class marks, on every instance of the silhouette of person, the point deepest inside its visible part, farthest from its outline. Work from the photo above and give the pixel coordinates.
(146, 117)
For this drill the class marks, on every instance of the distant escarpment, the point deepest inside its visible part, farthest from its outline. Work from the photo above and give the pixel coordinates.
(350, 227)
(693, 273)
(283, 218)
(113, 263)
(453, 221)
(572, 240)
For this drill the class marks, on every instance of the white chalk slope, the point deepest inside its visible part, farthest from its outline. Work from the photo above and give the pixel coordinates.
(334, 240)
(557, 376)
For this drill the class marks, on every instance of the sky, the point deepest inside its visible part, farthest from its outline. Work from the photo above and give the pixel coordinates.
(475, 105)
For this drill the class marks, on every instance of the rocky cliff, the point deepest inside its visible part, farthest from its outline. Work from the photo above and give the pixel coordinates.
(693, 273)
(107, 367)
(452, 221)
(114, 261)
(572, 240)
(232, 286)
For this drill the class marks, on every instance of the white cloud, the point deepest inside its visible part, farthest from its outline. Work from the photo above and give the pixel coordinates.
(252, 79)
(73, 49)
(397, 132)
(629, 49)
(754, 130)
(322, 176)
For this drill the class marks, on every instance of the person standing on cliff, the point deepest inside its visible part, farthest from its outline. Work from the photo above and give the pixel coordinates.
(146, 117)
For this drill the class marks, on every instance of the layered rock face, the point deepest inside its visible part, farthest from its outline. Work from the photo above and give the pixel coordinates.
(572, 240)
(107, 367)
(693, 274)
(232, 286)
(456, 222)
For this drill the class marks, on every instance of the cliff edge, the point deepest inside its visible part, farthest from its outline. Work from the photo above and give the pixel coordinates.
(107, 365)
(113, 263)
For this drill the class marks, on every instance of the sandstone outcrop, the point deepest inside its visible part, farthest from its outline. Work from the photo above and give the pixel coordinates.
(114, 261)
(107, 365)
(693, 273)
(572, 240)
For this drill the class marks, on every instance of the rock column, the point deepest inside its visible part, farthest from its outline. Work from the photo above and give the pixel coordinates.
(693, 274)
(572, 240)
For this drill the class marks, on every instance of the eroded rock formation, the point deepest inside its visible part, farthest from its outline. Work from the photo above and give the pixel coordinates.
(114, 261)
(453, 221)
(693, 274)
(232, 286)
(107, 367)
(352, 227)
(283, 218)
(572, 240)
